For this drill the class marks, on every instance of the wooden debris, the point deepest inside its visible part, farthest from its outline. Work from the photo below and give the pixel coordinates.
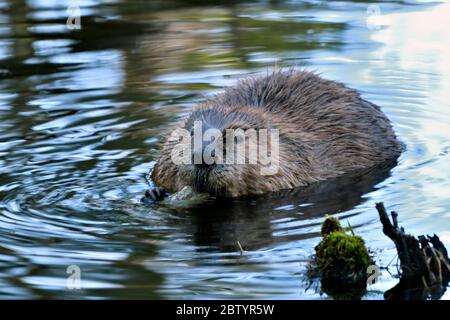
(424, 260)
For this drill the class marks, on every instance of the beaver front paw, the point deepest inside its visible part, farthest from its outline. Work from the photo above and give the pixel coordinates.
(154, 195)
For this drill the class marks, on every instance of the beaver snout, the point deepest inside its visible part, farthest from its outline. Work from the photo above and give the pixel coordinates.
(201, 177)
(204, 153)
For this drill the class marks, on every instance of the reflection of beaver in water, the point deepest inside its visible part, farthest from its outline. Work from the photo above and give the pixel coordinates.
(325, 130)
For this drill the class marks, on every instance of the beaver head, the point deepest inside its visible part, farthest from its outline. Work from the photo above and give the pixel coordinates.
(225, 152)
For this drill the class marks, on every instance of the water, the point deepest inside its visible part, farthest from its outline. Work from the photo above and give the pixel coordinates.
(82, 113)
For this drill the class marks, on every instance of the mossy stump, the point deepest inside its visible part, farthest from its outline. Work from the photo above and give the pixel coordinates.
(341, 259)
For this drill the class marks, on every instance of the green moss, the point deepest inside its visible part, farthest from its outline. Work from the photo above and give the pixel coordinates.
(331, 224)
(341, 259)
(341, 253)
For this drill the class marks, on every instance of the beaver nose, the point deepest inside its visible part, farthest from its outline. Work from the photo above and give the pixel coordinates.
(204, 138)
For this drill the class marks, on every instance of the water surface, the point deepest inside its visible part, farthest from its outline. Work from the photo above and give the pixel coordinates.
(82, 113)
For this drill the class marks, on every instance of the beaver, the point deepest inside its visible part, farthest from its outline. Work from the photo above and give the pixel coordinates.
(324, 130)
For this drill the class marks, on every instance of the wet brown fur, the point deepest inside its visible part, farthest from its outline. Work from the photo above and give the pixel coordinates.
(326, 129)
